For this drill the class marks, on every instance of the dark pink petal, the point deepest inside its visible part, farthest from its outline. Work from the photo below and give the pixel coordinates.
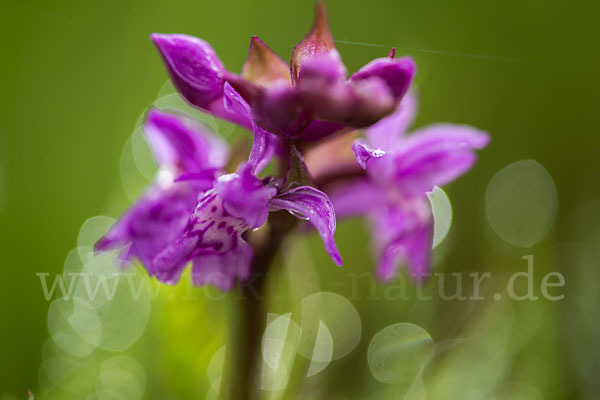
(433, 156)
(264, 143)
(263, 66)
(391, 128)
(244, 196)
(397, 74)
(175, 144)
(317, 41)
(223, 269)
(195, 69)
(311, 204)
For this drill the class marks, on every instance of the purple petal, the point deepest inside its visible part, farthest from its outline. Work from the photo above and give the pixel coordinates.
(317, 41)
(151, 224)
(397, 74)
(223, 269)
(264, 143)
(311, 204)
(414, 250)
(177, 145)
(244, 196)
(195, 69)
(326, 67)
(418, 252)
(404, 234)
(433, 156)
(385, 132)
(323, 88)
(235, 104)
(171, 261)
(263, 148)
(364, 153)
(356, 103)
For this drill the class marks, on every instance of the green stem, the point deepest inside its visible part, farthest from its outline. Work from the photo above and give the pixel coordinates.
(251, 322)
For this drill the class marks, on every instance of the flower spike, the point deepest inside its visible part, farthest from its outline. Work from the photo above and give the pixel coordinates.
(198, 211)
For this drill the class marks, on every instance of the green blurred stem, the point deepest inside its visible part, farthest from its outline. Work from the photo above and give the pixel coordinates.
(252, 310)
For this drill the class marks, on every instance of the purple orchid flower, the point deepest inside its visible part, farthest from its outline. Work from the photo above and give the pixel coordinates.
(180, 147)
(309, 100)
(196, 212)
(400, 170)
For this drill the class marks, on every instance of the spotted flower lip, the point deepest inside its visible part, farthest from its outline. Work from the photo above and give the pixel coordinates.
(399, 171)
(212, 238)
(195, 212)
(309, 100)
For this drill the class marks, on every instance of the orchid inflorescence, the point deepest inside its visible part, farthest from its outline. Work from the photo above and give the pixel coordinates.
(307, 118)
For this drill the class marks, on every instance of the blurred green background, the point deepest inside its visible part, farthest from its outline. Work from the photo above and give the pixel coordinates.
(75, 77)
